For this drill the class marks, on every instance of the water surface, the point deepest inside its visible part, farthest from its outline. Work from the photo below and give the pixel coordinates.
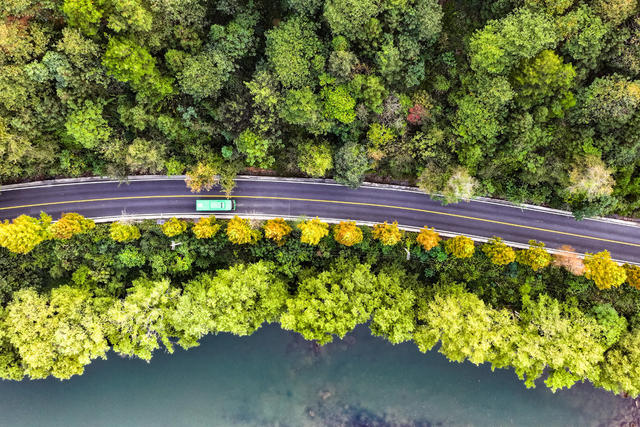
(276, 378)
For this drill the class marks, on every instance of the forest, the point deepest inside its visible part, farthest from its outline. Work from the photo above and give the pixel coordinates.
(73, 291)
(528, 100)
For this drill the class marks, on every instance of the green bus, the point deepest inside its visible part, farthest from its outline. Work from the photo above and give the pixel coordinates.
(215, 205)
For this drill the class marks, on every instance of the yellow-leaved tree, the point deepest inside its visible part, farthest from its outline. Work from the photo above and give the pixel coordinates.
(347, 233)
(633, 275)
(201, 177)
(206, 227)
(70, 224)
(535, 256)
(498, 252)
(313, 230)
(388, 234)
(240, 232)
(460, 247)
(122, 232)
(25, 233)
(604, 272)
(174, 227)
(276, 229)
(428, 238)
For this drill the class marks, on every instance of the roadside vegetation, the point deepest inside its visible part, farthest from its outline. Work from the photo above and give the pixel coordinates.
(529, 100)
(72, 290)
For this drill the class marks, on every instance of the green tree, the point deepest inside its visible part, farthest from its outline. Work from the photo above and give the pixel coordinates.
(256, 148)
(238, 300)
(348, 17)
(331, 303)
(56, 335)
(83, 14)
(620, 371)
(86, 126)
(139, 322)
(294, 52)
(394, 315)
(351, 164)
(339, 104)
(315, 158)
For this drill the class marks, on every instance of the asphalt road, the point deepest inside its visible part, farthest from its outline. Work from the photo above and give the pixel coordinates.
(326, 200)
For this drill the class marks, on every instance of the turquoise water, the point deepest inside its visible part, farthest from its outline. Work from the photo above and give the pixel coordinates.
(276, 378)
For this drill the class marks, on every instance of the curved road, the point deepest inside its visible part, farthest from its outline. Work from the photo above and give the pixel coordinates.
(283, 197)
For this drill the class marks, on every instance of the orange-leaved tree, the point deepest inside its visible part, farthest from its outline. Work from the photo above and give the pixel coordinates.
(25, 233)
(498, 252)
(569, 260)
(240, 232)
(388, 234)
(535, 256)
(460, 247)
(174, 227)
(428, 238)
(313, 230)
(604, 271)
(121, 232)
(206, 227)
(70, 224)
(202, 177)
(276, 229)
(347, 233)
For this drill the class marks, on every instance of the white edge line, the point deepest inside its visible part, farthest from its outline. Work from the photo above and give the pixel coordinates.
(308, 181)
(443, 233)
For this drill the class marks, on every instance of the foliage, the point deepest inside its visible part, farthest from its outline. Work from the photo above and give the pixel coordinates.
(240, 232)
(121, 232)
(428, 238)
(24, 233)
(351, 164)
(331, 303)
(174, 227)
(276, 229)
(313, 230)
(604, 272)
(460, 247)
(206, 227)
(202, 177)
(498, 252)
(535, 256)
(314, 159)
(347, 233)
(388, 234)
(70, 224)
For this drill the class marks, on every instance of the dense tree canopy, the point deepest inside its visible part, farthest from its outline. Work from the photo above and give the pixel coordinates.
(530, 101)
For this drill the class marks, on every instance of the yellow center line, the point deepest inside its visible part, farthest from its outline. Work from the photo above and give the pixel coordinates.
(377, 205)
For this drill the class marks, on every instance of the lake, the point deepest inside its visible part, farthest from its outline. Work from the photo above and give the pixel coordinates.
(276, 378)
